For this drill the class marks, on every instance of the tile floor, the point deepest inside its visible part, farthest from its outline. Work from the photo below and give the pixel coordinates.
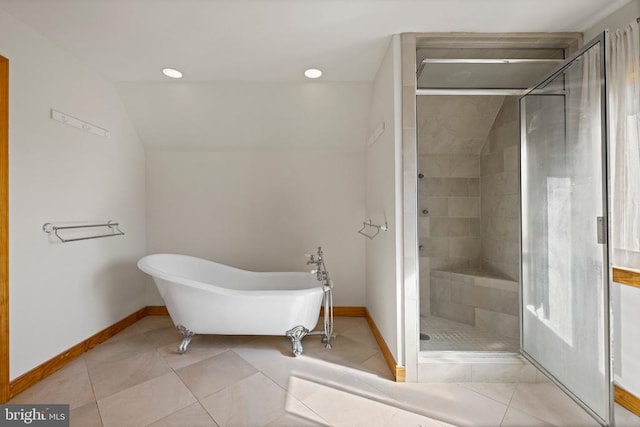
(137, 379)
(449, 335)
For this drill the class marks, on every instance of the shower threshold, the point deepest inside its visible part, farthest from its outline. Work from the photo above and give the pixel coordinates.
(467, 355)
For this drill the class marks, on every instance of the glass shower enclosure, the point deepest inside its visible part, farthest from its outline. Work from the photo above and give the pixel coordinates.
(565, 264)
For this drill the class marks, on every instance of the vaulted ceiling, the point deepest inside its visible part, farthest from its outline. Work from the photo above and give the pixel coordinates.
(274, 40)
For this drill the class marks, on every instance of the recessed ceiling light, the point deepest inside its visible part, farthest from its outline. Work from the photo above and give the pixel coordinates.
(172, 72)
(313, 73)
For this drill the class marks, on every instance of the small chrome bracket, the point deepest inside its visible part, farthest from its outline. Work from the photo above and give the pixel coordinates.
(296, 334)
(186, 338)
(376, 227)
(602, 229)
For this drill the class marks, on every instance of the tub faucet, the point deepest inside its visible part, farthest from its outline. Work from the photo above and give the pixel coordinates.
(316, 258)
(320, 271)
(322, 275)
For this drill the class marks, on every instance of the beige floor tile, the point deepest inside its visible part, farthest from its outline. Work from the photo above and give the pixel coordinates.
(262, 350)
(361, 334)
(342, 324)
(145, 403)
(119, 348)
(377, 365)
(515, 418)
(144, 325)
(162, 336)
(286, 371)
(231, 341)
(301, 388)
(255, 380)
(548, 403)
(405, 418)
(70, 385)
(111, 377)
(215, 373)
(341, 408)
(298, 415)
(126, 333)
(252, 401)
(151, 323)
(361, 384)
(191, 416)
(345, 351)
(448, 402)
(289, 420)
(85, 416)
(501, 392)
(202, 347)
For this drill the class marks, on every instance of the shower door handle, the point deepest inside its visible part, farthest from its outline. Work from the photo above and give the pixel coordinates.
(602, 230)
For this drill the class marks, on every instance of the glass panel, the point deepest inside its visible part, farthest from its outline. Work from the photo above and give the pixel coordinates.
(476, 74)
(564, 274)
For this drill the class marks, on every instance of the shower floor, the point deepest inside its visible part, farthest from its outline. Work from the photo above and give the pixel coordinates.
(447, 335)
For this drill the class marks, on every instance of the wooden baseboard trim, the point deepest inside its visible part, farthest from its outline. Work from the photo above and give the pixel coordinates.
(398, 372)
(47, 368)
(627, 400)
(4, 229)
(626, 277)
(347, 311)
(42, 371)
(157, 310)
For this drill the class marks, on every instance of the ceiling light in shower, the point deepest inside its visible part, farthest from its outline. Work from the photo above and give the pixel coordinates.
(172, 72)
(313, 73)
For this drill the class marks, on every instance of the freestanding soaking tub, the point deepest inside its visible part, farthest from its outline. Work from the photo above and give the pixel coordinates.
(205, 297)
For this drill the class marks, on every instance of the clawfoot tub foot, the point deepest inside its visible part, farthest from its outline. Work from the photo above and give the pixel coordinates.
(296, 334)
(186, 338)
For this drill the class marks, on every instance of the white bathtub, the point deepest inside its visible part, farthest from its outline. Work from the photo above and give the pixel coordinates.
(204, 297)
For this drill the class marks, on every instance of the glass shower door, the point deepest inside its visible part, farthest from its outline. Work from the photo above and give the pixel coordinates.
(565, 303)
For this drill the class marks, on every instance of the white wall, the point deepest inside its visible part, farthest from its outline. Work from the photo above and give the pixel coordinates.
(256, 174)
(382, 182)
(261, 211)
(60, 294)
(248, 116)
(625, 299)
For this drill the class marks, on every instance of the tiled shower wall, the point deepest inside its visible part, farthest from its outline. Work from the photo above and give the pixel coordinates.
(500, 188)
(452, 130)
(450, 195)
(469, 208)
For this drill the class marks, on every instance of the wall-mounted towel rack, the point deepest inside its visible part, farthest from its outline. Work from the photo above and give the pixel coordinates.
(113, 226)
(368, 225)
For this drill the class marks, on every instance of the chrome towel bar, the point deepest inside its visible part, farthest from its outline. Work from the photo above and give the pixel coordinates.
(368, 225)
(113, 226)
